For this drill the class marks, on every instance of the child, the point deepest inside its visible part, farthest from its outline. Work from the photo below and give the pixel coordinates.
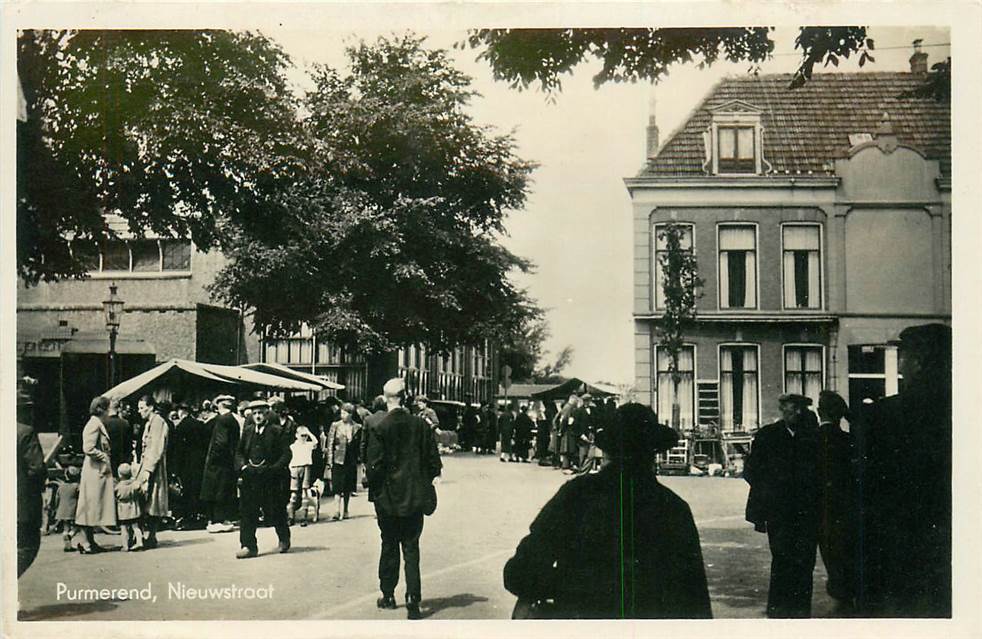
(129, 508)
(301, 460)
(67, 501)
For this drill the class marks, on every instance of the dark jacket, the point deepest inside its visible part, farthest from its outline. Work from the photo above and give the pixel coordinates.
(220, 472)
(31, 475)
(783, 473)
(523, 433)
(904, 471)
(577, 552)
(189, 442)
(120, 441)
(401, 463)
(266, 455)
(583, 423)
(368, 433)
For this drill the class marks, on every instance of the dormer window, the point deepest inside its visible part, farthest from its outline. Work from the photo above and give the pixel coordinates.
(735, 139)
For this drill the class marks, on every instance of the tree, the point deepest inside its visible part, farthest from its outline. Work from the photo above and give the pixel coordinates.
(553, 373)
(681, 286)
(524, 348)
(181, 133)
(391, 238)
(524, 57)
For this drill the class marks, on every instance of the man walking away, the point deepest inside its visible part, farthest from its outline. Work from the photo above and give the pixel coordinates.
(782, 470)
(263, 460)
(402, 463)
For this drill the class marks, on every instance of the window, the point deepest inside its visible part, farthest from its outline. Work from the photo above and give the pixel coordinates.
(802, 266)
(738, 378)
(803, 371)
(143, 256)
(661, 247)
(737, 266)
(736, 149)
(873, 373)
(666, 388)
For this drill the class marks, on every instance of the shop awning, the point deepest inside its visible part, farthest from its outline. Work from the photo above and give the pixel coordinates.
(574, 385)
(249, 376)
(289, 373)
(168, 371)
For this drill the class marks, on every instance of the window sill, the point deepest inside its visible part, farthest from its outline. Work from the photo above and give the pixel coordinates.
(129, 275)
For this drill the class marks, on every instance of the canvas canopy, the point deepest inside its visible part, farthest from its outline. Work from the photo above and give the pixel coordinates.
(177, 372)
(285, 371)
(575, 386)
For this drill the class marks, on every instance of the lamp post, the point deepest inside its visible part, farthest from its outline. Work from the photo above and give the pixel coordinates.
(113, 308)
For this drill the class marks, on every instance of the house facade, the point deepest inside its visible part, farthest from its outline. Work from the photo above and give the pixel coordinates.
(820, 218)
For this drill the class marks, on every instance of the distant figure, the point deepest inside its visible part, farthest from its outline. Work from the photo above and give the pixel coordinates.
(67, 504)
(31, 475)
(341, 447)
(402, 464)
(615, 544)
(219, 476)
(120, 436)
(129, 508)
(782, 470)
(506, 430)
(187, 452)
(905, 475)
(567, 437)
(96, 500)
(522, 435)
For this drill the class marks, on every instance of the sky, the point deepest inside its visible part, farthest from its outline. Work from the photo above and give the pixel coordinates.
(576, 225)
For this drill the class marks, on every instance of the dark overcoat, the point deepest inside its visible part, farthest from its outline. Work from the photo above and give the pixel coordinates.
(219, 476)
(613, 545)
(783, 474)
(402, 461)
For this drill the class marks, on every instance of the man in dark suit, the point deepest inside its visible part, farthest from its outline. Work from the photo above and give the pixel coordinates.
(120, 436)
(31, 475)
(402, 463)
(371, 424)
(582, 423)
(782, 470)
(262, 460)
(190, 443)
(905, 475)
(218, 479)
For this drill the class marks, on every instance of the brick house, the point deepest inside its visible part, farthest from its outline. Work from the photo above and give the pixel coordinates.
(821, 222)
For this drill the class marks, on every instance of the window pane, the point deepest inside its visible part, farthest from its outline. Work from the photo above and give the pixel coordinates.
(866, 359)
(177, 255)
(727, 143)
(737, 238)
(146, 256)
(115, 257)
(745, 143)
(800, 238)
(306, 351)
(737, 278)
(685, 241)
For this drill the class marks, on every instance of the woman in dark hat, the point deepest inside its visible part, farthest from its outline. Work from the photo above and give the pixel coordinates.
(615, 544)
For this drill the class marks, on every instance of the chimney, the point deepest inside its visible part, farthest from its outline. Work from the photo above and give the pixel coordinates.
(918, 61)
(652, 145)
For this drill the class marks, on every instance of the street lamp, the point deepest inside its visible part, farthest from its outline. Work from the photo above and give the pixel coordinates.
(113, 308)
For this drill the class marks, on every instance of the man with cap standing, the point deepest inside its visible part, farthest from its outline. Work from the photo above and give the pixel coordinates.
(402, 464)
(905, 475)
(219, 476)
(782, 470)
(262, 460)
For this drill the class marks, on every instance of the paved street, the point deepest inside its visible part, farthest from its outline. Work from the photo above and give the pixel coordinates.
(485, 508)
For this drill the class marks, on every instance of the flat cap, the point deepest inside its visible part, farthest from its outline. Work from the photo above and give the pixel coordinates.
(795, 398)
(394, 386)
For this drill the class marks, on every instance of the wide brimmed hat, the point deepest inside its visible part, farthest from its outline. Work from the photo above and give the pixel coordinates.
(258, 403)
(795, 398)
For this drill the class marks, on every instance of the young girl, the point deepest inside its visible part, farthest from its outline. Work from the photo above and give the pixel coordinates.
(129, 508)
(301, 461)
(67, 501)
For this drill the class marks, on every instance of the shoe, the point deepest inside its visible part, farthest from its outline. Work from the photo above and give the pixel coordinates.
(337, 517)
(567, 471)
(225, 527)
(282, 547)
(96, 548)
(412, 609)
(150, 543)
(386, 602)
(503, 459)
(344, 516)
(246, 553)
(212, 528)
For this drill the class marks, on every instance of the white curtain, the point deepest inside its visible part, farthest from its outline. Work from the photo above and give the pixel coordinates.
(792, 368)
(724, 280)
(813, 374)
(750, 418)
(745, 143)
(686, 387)
(726, 389)
(789, 287)
(751, 288)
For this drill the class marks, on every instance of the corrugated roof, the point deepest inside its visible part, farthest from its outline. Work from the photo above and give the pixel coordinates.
(807, 128)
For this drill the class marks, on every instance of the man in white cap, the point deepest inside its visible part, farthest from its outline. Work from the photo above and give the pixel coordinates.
(402, 465)
(262, 461)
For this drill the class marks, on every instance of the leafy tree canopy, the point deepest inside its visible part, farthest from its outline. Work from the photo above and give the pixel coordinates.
(527, 57)
(179, 132)
(391, 238)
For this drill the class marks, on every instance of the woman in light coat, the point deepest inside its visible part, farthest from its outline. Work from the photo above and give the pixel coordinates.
(96, 499)
(152, 468)
(341, 446)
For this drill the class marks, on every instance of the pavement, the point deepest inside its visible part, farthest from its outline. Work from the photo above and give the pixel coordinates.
(485, 508)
